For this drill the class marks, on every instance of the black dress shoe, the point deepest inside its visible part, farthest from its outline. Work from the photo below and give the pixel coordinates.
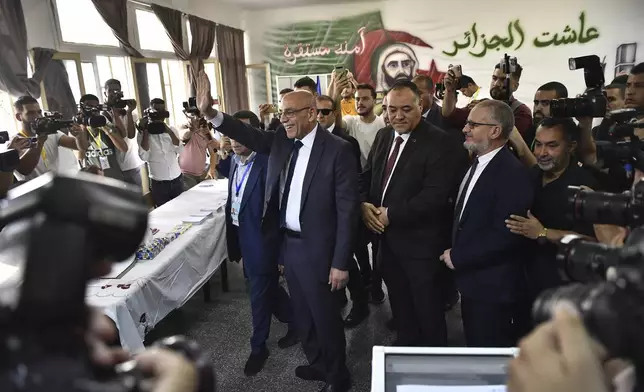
(256, 362)
(391, 324)
(337, 387)
(288, 340)
(309, 373)
(356, 316)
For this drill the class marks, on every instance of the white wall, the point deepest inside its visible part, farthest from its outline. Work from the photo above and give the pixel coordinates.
(439, 23)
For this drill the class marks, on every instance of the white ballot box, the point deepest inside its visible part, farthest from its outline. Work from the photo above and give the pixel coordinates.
(446, 369)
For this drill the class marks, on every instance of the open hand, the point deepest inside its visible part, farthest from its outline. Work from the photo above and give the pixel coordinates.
(529, 227)
(19, 143)
(204, 97)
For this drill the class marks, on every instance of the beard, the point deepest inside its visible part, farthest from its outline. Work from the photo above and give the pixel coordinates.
(546, 165)
(476, 148)
(499, 93)
(537, 117)
(399, 77)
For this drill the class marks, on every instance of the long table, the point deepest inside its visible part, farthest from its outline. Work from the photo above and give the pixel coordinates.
(147, 292)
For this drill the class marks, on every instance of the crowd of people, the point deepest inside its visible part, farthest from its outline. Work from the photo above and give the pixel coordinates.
(439, 204)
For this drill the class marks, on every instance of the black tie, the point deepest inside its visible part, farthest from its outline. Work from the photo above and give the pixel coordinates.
(289, 178)
(461, 199)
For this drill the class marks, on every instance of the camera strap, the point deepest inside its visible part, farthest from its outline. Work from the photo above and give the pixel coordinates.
(43, 152)
(97, 139)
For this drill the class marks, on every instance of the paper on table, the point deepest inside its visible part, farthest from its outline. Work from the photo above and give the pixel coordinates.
(202, 214)
(195, 220)
(451, 388)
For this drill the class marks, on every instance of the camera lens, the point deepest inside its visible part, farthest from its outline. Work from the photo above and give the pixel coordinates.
(586, 261)
(586, 106)
(600, 207)
(97, 121)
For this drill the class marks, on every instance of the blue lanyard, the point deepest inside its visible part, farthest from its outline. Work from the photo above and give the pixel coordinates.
(238, 185)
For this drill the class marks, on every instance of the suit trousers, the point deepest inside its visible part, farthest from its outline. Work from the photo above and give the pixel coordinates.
(317, 314)
(267, 298)
(356, 287)
(490, 324)
(362, 252)
(415, 298)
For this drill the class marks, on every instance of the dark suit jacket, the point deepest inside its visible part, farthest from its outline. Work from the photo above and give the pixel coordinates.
(247, 240)
(488, 259)
(435, 116)
(355, 146)
(418, 196)
(329, 208)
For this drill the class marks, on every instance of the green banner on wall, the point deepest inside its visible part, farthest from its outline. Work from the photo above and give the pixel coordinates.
(317, 46)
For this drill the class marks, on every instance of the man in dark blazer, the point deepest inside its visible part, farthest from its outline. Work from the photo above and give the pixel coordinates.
(244, 209)
(310, 207)
(405, 188)
(487, 258)
(357, 278)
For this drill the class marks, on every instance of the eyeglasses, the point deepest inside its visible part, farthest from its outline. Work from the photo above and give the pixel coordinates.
(473, 124)
(325, 112)
(290, 113)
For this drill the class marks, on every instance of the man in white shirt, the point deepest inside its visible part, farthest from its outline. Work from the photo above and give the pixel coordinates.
(487, 258)
(160, 148)
(42, 155)
(366, 124)
(310, 215)
(129, 161)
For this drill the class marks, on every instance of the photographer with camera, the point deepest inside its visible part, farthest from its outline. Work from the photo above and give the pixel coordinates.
(160, 148)
(198, 160)
(104, 139)
(44, 136)
(505, 81)
(9, 159)
(615, 97)
(121, 114)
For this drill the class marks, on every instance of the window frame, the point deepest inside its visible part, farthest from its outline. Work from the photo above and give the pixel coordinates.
(133, 62)
(620, 64)
(74, 47)
(269, 87)
(220, 88)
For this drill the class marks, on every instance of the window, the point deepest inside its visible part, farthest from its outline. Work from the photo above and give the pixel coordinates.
(115, 67)
(80, 23)
(7, 118)
(74, 79)
(625, 59)
(152, 35)
(174, 78)
(89, 79)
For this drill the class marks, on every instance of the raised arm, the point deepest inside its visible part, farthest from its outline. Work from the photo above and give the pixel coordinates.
(255, 139)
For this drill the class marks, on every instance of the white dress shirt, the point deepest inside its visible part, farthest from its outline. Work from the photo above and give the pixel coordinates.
(331, 128)
(484, 160)
(405, 137)
(294, 201)
(297, 182)
(162, 156)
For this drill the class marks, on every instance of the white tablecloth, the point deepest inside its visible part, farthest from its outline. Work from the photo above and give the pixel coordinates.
(158, 286)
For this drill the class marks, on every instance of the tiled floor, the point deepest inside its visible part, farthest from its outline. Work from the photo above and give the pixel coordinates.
(223, 327)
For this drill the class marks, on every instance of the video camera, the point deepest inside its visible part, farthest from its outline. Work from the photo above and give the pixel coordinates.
(190, 108)
(117, 101)
(70, 225)
(91, 115)
(593, 102)
(153, 121)
(49, 124)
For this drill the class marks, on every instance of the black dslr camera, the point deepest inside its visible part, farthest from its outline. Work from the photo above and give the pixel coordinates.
(154, 121)
(593, 102)
(190, 108)
(117, 101)
(624, 147)
(49, 124)
(70, 226)
(91, 115)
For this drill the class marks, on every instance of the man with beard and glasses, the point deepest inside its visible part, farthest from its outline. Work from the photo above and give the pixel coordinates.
(457, 117)
(548, 221)
(487, 258)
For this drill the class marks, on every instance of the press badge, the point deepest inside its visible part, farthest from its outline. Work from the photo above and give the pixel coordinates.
(105, 164)
(234, 212)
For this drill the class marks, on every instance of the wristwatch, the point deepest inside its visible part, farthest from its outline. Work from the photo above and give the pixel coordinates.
(542, 238)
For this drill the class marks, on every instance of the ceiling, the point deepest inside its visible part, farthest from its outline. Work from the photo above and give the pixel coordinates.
(272, 4)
